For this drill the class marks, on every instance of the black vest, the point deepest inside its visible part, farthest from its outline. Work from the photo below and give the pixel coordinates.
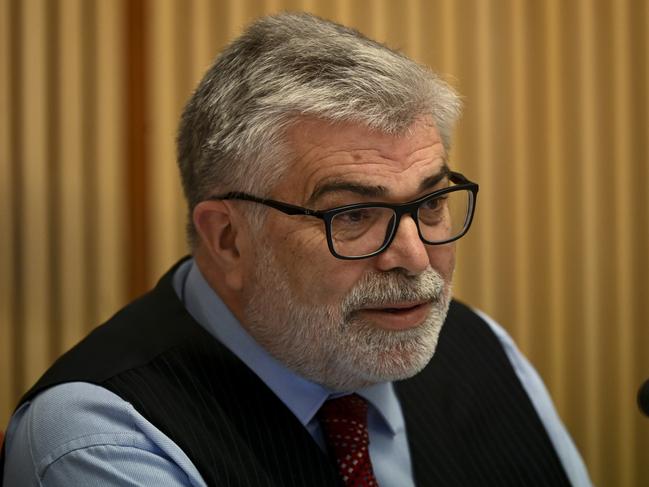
(468, 420)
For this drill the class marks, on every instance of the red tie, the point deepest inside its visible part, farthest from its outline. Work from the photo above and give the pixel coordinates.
(344, 423)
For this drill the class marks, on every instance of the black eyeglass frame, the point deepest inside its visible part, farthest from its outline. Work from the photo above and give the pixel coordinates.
(400, 209)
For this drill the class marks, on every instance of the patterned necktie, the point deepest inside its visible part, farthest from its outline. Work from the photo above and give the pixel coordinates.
(344, 423)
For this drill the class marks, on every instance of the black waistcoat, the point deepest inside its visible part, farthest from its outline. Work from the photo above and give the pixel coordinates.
(468, 420)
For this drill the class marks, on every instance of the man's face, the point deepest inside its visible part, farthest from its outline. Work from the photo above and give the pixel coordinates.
(349, 323)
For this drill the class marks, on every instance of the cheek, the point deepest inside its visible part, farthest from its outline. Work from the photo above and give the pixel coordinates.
(314, 275)
(321, 279)
(442, 259)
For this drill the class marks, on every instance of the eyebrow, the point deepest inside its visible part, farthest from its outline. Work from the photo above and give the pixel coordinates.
(335, 186)
(435, 179)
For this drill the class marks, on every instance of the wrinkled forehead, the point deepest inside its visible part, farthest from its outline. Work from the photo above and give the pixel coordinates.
(331, 160)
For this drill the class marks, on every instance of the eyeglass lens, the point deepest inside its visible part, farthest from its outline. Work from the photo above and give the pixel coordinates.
(362, 231)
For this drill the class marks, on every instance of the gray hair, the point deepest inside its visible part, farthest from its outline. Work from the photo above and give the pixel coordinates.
(283, 67)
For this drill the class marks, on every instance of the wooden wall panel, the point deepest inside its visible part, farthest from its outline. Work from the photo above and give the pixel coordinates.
(624, 230)
(589, 162)
(136, 61)
(556, 214)
(110, 228)
(555, 131)
(7, 219)
(35, 188)
(71, 198)
(166, 66)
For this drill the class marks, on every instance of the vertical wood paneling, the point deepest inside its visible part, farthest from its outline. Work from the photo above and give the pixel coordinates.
(484, 146)
(361, 16)
(555, 131)
(379, 27)
(520, 140)
(587, 214)
(137, 60)
(109, 155)
(236, 18)
(640, 258)
(15, 116)
(70, 176)
(184, 85)
(569, 228)
(90, 199)
(7, 251)
(35, 188)
(202, 50)
(448, 50)
(343, 11)
(164, 204)
(54, 177)
(624, 231)
(557, 205)
(462, 57)
(271, 6)
(413, 29)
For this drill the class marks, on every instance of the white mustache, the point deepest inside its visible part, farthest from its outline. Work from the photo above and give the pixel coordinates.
(376, 290)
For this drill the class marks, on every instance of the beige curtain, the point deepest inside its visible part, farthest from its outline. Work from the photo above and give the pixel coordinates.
(555, 130)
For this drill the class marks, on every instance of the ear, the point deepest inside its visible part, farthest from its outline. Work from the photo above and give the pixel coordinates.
(223, 235)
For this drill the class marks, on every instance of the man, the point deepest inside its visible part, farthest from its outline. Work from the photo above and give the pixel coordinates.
(294, 347)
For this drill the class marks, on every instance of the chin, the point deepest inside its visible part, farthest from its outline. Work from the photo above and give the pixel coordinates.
(371, 356)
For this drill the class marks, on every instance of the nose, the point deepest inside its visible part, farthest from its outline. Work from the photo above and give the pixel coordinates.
(406, 251)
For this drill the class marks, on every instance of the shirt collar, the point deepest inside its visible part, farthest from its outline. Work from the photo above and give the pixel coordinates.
(303, 397)
(384, 400)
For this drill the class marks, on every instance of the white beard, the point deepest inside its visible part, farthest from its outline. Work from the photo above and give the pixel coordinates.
(331, 345)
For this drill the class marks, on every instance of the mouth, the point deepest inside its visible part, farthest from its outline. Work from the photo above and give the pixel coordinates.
(397, 316)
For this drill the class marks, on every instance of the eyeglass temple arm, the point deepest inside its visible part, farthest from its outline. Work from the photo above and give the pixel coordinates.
(457, 178)
(278, 205)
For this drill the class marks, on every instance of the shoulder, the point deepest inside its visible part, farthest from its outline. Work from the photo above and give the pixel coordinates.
(525, 371)
(463, 316)
(541, 401)
(136, 335)
(79, 429)
(503, 336)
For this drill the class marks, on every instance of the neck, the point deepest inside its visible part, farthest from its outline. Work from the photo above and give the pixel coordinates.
(214, 277)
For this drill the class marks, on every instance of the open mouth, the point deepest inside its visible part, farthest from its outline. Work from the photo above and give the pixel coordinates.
(398, 316)
(399, 309)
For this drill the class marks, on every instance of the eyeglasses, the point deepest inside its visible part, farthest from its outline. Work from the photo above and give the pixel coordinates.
(363, 230)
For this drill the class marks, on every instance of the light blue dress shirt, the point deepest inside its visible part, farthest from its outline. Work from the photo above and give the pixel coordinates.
(82, 434)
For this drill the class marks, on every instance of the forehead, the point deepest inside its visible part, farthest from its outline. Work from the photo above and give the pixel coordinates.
(327, 154)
